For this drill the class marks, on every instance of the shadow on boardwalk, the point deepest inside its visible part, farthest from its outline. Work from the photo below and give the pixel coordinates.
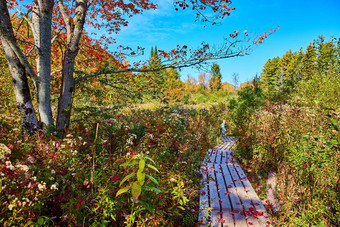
(227, 197)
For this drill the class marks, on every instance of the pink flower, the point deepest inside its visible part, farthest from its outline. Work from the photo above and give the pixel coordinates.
(30, 159)
(157, 126)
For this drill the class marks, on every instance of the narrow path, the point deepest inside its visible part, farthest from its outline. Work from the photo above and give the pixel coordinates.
(227, 197)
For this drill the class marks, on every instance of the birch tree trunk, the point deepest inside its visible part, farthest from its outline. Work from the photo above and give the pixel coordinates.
(18, 66)
(42, 22)
(74, 32)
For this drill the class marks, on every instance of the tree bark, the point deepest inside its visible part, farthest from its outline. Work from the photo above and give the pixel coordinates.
(18, 71)
(42, 22)
(74, 32)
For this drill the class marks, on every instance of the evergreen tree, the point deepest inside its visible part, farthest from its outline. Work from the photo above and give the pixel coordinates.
(327, 54)
(270, 74)
(309, 62)
(156, 84)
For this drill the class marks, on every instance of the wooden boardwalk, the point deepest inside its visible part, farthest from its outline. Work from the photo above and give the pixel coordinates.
(227, 197)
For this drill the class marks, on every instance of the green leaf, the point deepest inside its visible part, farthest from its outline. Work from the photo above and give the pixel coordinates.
(152, 167)
(141, 165)
(180, 207)
(148, 188)
(334, 142)
(127, 177)
(140, 177)
(130, 163)
(150, 160)
(334, 122)
(135, 190)
(123, 190)
(152, 178)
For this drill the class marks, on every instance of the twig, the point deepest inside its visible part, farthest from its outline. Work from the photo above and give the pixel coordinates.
(93, 155)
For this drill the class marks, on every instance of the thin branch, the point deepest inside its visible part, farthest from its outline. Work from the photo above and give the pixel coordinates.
(25, 17)
(24, 41)
(56, 71)
(55, 37)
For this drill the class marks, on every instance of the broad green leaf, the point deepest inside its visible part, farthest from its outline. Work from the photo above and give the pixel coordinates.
(130, 163)
(152, 167)
(123, 190)
(135, 190)
(152, 178)
(140, 177)
(141, 165)
(127, 177)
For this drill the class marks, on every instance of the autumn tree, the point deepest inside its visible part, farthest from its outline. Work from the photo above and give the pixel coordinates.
(215, 82)
(63, 21)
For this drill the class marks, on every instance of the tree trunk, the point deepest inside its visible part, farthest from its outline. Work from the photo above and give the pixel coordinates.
(74, 32)
(42, 22)
(18, 71)
(66, 91)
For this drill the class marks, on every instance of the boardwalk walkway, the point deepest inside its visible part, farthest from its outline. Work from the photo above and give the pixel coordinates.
(227, 197)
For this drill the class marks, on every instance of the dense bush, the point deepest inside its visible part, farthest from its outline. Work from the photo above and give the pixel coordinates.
(151, 158)
(295, 134)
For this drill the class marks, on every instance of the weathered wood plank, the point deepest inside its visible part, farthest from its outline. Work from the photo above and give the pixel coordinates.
(216, 218)
(235, 201)
(246, 201)
(223, 192)
(213, 193)
(259, 207)
(213, 156)
(227, 218)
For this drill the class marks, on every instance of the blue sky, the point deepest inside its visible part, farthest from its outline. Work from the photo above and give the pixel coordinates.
(300, 21)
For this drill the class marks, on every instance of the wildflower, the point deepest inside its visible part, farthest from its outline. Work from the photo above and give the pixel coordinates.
(22, 167)
(42, 186)
(172, 179)
(115, 178)
(54, 186)
(9, 165)
(30, 159)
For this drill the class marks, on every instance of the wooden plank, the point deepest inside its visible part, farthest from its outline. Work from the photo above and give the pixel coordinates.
(235, 201)
(223, 192)
(204, 200)
(227, 219)
(213, 194)
(246, 201)
(215, 218)
(259, 207)
(213, 156)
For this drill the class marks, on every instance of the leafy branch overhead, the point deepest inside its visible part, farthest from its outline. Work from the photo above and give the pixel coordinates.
(57, 45)
(182, 56)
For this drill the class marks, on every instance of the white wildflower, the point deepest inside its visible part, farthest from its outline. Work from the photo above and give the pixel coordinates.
(54, 186)
(42, 186)
(22, 167)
